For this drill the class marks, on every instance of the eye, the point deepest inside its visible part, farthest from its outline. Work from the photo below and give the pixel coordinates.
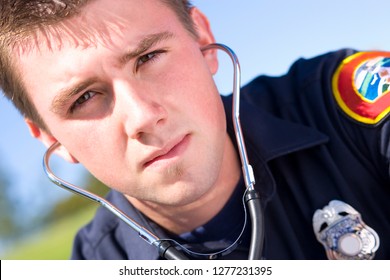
(82, 99)
(149, 57)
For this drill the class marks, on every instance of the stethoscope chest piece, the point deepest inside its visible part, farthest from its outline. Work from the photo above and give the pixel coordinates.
(342, 232)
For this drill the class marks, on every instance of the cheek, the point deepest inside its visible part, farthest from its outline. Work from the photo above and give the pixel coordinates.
(84, 140)
(205, 102)
(193, 86)
(101, 153)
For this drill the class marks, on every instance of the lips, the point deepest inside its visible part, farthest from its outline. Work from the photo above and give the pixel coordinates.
(168, 153)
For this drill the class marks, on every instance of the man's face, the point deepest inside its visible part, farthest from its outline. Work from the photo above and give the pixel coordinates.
(136, 104)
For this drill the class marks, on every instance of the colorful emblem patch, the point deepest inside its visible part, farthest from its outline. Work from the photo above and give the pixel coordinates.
(361, 86)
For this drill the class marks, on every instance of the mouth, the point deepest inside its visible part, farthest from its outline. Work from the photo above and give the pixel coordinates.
(168, 154)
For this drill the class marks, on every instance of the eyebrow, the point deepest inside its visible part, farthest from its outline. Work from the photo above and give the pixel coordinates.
(145, 44)
(62, 98)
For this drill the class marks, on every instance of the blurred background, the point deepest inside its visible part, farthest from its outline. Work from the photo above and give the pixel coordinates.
(38, 220)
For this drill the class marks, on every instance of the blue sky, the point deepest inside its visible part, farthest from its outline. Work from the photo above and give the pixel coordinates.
(267, 35)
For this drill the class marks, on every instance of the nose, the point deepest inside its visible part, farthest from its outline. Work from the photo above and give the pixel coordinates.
(142, 111)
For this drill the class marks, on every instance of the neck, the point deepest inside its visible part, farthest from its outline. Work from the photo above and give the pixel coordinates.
(180, 219)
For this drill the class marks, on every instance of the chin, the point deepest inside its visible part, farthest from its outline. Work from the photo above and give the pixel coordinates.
(186, 194)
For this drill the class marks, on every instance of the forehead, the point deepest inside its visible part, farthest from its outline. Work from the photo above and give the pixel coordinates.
(113, 25)
(101, 22)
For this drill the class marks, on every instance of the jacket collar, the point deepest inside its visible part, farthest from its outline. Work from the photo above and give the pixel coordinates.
(266, 138)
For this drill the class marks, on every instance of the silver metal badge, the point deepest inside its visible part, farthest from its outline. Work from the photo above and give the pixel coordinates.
(345, 236)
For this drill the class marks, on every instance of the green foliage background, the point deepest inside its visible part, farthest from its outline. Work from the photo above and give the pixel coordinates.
(53, 240)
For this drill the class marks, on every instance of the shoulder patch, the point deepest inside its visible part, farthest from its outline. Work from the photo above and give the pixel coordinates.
(361, 86)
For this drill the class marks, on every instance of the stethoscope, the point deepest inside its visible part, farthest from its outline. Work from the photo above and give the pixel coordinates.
(166, 248)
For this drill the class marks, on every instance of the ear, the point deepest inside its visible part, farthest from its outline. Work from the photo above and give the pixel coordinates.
(47, 139)
(205, 37)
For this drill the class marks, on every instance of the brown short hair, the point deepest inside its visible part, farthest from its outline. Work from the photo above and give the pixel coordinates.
(19, 19)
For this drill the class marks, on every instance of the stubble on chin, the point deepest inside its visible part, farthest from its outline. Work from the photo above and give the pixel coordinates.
(175, 172)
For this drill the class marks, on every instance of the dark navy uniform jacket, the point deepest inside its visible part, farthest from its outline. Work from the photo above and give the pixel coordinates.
(306, 149)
